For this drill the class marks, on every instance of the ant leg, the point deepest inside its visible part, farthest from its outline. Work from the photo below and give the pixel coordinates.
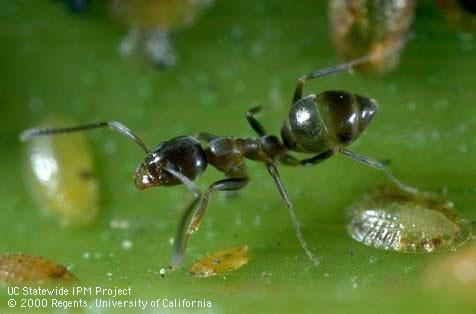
(229, 184)
(114, 125)
(255, 124)
(181, 237)
(327, 71)
(379, 166)
(273, 171)
(193, 215)
(293, 161)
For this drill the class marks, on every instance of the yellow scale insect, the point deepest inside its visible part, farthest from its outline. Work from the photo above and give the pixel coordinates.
(221, 262)
(60, 176)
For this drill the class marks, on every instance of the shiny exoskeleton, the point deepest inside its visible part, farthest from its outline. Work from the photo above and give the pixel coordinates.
(319, 124)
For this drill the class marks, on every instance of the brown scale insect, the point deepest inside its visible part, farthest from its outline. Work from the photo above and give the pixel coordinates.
(26, 269)
(321, 125)
(361, 27)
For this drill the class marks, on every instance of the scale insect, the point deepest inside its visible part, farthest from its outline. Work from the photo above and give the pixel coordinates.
(409, 223)
(26, 269)
(221, 262)
(321, 124)
(61, 177)
(359, 27)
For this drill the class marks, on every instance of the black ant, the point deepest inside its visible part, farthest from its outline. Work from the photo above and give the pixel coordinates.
(319, 124)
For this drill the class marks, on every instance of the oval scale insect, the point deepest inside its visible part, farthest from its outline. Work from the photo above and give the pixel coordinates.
(360, 27)
(60, 176)
(411, 223)
(27, 269)
(321, 125)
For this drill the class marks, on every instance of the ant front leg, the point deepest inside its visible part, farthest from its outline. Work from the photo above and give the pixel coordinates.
(229, 184)
(194, 213)
(181, 237)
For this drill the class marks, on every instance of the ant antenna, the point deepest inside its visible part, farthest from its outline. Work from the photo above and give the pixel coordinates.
(114, 125)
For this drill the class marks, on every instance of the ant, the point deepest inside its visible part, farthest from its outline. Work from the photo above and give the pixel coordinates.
(322, 124)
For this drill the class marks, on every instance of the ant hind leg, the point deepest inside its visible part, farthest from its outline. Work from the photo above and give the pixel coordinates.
(327, 71)
(379, 166)
(255, 124)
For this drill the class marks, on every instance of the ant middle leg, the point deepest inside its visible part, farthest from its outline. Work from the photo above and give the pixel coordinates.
(273, 171)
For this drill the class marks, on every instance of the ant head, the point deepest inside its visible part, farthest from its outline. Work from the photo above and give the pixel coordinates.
(151, 172)
(181, 154)
(317, 123)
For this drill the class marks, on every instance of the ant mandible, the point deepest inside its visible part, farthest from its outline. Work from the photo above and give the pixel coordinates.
(320, 124)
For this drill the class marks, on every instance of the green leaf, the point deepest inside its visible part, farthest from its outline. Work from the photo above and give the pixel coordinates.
(237, 55)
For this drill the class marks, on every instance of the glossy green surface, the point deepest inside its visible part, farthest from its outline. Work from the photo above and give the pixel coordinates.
(239, 54)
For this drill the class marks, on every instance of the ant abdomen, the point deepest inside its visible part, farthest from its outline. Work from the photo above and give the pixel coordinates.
(182, 154)
(320, 122)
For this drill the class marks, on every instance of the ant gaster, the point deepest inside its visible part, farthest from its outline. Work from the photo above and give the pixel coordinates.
(319, 124)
